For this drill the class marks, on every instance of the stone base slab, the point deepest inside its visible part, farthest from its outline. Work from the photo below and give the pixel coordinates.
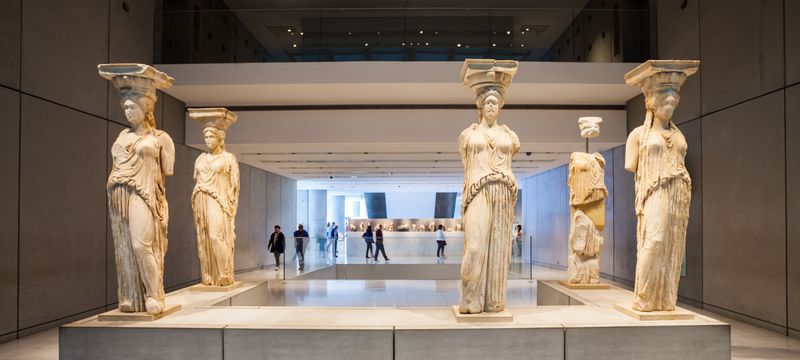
(213, 288)
(503, 316)
(572, 286)
(116, 315)
(677, 314)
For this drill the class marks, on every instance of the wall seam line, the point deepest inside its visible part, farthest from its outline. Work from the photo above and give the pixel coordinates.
(785, 176)
(19, 168)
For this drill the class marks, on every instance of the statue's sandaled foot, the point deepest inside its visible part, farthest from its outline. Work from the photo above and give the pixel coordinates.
(153, 306)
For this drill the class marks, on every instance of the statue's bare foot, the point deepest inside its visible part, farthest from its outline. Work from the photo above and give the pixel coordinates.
(126, 307)
(153, 306)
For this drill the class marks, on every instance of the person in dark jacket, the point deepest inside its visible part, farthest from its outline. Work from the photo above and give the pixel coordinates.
(367, 236)
(379, 243)
(300, 236)
(277, 243)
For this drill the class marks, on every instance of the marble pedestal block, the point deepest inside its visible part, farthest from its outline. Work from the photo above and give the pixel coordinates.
(211, 288)
(484, 317)
(677, 314)
(568, 285)
(116, 315)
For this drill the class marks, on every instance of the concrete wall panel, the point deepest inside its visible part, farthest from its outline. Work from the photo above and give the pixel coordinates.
(275, 207)
(553, 217)
(59, 30)
(242, 221)
(280, 344)
(607, 253)
(476, 344)
(181, 264)
(131, 40)
(139, 343)
(9, 210)
(288, 202)
(691, 286)
(756, 42)
(636, 112)
(624, 219)
(679, 38)
(10, 11)
(174, 118)
(792, 13)
(259, 229)
(62, 213)
(744, 224)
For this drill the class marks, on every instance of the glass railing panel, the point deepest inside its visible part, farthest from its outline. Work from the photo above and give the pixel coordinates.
(307, 254)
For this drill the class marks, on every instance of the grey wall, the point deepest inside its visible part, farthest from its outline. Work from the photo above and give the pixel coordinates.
(740, 119)
(59, 124)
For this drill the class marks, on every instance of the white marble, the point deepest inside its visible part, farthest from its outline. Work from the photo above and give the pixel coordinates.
(215, 198)
(142, 157)
(590, 126)
(490, 189)
(587, 194)
(655, 152)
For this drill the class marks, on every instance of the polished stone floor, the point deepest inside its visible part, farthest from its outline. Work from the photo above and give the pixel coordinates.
(748, 342)
(374, 293)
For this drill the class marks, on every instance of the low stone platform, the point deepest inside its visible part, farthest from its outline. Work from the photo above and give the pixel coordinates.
(569, 285)
(503, 316)
(594, 330)
(202, 287)
(116, 315)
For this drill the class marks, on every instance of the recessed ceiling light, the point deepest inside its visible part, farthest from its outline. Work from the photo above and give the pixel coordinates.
(459, 45)
(294, 45)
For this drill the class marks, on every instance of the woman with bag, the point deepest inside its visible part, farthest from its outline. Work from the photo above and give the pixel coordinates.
(367, 236)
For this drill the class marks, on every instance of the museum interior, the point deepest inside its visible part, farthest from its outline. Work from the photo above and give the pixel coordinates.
(400, 179)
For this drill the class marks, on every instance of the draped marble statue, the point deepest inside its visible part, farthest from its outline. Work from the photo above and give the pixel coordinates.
(587, 194)
(215, 198)
(655, 152)
(142, 156)
(490, 189)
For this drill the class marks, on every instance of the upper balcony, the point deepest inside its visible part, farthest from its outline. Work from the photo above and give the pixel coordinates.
(238, 31)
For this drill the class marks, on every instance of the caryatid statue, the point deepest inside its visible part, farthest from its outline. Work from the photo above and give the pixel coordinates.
(215, 198)
(142, 157)
(655, 152)
(587, 194)
(490, 189)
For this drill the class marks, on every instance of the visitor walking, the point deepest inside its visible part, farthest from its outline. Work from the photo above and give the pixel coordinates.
(335, 239)
(276, 245)
(367, 236)
(300, 236)
(379, 244)
(440, 242)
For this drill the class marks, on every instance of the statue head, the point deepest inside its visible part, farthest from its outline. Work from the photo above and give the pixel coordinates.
(138, 108)
(488, 79)
(662, 103)
(214, 138)
(490, 102)
(661, 81)
(137, 84)
(215, 123)
(590, 126)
